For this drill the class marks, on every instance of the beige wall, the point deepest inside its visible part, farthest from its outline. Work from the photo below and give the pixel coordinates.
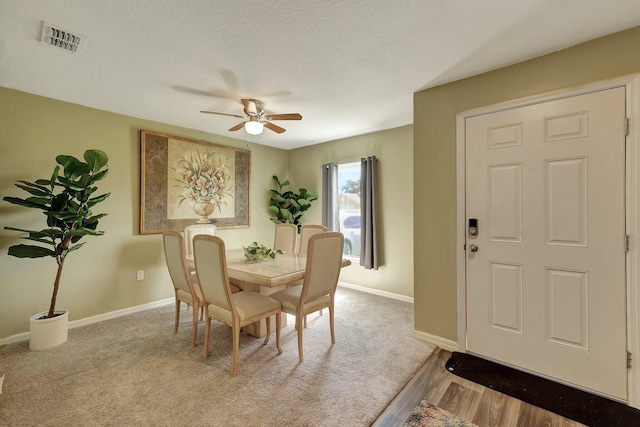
(101, 277)
(393, 150)
(435, 113)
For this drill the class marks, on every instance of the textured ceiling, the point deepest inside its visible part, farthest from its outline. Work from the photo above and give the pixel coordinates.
(349, 67)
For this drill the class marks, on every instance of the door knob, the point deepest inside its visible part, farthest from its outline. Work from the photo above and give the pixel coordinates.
(473, 247)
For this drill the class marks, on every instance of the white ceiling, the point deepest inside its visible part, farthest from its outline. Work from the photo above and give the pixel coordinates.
(350, 67)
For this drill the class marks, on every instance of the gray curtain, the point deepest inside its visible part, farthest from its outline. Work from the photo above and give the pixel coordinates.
(330, 196)
(368, 212)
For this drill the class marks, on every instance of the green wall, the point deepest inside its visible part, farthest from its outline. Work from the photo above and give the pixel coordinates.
(101, 277)
(393, 150)
(434, 158)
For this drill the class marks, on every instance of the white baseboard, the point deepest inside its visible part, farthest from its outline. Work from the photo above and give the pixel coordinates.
(122, 312)
(93, 319)
(119, 313)
(443, 343)
(376, 292)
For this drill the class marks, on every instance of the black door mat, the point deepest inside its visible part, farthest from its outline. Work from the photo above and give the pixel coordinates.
(578, 405)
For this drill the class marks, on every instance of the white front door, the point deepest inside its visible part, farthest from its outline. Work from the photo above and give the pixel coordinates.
(546, 285)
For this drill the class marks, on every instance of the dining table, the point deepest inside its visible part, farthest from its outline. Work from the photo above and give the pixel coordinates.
(266, 277)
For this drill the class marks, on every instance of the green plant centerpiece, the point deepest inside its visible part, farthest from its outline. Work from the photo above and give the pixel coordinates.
(66, 200)
(256, 252)
(288, 206)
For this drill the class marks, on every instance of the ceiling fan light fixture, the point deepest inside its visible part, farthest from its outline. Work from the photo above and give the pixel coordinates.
(254, 127)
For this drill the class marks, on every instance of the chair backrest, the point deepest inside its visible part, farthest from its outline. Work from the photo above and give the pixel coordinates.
(190, 231)
(306, 231)
(174, 255)
(324, 261)
(211, 271)
(285, 239)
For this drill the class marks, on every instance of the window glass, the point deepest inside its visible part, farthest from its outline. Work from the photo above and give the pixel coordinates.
(349, 207)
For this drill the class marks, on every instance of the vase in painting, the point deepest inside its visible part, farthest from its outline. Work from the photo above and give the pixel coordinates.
(203, 208)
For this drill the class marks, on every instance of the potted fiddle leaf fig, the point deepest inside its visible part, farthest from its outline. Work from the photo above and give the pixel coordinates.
(66, 200)
(288, 206)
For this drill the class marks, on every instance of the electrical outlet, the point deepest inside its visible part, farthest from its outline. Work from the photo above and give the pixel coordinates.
(140, 275)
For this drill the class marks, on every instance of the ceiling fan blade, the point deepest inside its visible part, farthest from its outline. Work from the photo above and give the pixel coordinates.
(223, 114)
(237, 127)
(275, 128)
(288, 116)
(251, 106)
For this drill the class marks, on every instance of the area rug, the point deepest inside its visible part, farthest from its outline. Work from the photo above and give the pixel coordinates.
(569, 402)
(428, 415)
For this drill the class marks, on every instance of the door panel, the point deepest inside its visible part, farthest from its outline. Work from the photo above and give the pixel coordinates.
(546, 289)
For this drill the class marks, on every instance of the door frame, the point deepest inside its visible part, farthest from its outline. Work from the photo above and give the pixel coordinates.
(631, 83)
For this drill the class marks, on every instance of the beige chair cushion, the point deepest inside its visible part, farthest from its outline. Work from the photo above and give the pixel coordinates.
(185, 297)
(289, 299)
(250, 304)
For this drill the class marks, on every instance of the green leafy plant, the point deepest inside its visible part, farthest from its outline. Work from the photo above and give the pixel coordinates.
(258, 252)
(288, 206)
(66, 200)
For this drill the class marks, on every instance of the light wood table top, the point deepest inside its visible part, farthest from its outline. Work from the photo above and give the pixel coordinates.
(285, 268)
(265, 277)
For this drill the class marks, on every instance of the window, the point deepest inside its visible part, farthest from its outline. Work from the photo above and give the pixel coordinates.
(349, 207)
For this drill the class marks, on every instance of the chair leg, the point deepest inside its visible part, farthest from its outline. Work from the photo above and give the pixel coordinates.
(333, 333)
(305, 320)
(268, 323)
(195, 326)
(299, 328)
(235, 329)
(278, 326)
(175, 329)
(207, 336)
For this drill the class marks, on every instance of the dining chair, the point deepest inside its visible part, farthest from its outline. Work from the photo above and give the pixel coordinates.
(233, 309)
(286, 235)
(324, 259)
(306, 231)
(190, 231)
(183, 281)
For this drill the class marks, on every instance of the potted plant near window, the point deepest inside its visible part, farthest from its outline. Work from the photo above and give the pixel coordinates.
(288, 206)
(66, 199)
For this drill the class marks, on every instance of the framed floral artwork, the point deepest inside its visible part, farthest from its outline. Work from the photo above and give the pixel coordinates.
(183, 181)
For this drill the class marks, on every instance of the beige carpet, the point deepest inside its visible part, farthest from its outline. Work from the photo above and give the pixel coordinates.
(134, 371)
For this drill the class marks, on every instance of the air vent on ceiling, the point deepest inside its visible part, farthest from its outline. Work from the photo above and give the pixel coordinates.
(56, 36)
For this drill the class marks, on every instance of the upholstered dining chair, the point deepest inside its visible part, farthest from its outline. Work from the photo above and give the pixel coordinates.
(183, 281)
(233, 309)
(190, 231)
(306, 231)
(285, 239)
(324, 259)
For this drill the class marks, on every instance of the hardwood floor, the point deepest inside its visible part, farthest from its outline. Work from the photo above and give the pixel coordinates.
(480, 405)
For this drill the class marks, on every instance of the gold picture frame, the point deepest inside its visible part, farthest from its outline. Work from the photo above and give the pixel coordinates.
(177, 173)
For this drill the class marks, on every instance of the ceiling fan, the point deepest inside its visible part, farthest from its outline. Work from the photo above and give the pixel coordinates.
(255, 118)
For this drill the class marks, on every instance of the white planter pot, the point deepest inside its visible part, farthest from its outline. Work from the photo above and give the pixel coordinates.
(47, 333)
